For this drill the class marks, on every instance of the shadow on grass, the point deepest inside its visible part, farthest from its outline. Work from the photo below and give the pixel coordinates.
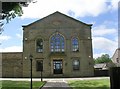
(19, 88)
(21, 84)
(90, 88)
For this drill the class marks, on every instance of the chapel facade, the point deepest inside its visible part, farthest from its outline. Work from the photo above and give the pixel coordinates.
(60, 45)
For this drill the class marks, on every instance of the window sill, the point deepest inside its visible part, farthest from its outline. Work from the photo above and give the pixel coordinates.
(76, 70)
(75, 51)
(39, 52)
(57, 54)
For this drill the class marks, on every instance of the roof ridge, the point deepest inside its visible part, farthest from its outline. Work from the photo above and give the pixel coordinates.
(53, 14)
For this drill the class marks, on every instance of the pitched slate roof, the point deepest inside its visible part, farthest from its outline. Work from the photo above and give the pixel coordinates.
(101, 65)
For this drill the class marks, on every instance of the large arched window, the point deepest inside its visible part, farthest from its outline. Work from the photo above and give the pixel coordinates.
(39, 45)
(57, 43)
(75, 44)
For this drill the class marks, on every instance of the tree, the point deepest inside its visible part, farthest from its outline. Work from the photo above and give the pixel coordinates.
(1, 27)
(10, 10)
(105, 58)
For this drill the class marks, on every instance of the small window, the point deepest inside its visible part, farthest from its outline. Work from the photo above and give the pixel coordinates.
(117, 60)
(75, 45)
(76, 64)
(39, 45)
(39, 65)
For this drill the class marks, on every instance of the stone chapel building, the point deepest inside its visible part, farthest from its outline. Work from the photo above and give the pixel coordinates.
(61, 45)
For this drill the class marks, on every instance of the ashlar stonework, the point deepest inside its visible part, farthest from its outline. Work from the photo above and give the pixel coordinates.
(59, 44)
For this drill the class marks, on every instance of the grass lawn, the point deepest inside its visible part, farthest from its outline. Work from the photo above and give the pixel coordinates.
(20, 84)
(90, 84)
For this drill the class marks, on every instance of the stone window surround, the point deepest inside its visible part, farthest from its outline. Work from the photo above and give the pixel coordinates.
(78, 66)
(39, 60)
(72, 44)
(60, 45)
(42, 45)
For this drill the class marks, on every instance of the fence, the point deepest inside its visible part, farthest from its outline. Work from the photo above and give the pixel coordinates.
(99, 73)
(115, 77)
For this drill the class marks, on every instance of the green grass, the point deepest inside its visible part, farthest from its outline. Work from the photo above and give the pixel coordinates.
(90, 84)
(20, 84)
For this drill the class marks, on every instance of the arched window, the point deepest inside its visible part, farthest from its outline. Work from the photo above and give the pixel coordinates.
(39, 45)
(57, 43)
(75, 44)
(76, 64)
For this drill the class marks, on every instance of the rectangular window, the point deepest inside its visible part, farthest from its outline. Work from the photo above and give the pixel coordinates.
(39, 65)
(76, 64)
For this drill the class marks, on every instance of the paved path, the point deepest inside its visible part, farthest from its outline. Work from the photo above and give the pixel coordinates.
(53, 79)
(56, 85)
(61, 83)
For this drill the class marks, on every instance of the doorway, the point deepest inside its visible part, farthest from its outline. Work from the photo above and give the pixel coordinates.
(57, 67)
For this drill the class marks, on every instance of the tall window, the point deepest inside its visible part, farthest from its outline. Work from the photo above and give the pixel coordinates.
(57, 43)
(75, 45)
(39, 45)
(76, 64)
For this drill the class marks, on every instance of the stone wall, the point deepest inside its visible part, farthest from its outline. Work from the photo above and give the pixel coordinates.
(67, 27)
(18, 64)
(12, 64)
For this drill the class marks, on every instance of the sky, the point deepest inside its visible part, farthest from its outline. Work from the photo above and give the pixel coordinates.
(103, 14)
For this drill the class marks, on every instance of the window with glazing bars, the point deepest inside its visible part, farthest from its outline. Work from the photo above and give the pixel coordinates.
(76, 64)
(75, 44)
(39, 45)
(57, 43)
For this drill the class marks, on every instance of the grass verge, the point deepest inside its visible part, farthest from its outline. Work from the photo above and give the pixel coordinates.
(20, 84)
(90, 84)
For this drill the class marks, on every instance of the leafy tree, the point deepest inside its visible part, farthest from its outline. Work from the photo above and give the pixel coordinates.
(10, 10)
(1, 27)
(105, 58)
(13, 9)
